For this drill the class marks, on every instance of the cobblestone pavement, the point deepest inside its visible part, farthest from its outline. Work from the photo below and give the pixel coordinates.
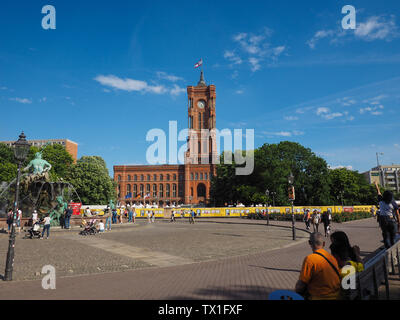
(267, 259)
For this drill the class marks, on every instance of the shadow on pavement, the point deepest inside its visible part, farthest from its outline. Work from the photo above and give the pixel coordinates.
(230, 293)
(275, 269)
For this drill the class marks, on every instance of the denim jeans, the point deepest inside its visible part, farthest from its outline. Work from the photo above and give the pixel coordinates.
(388, 227)
(46, 227)
(108, 222)
(66, 222)
(130, 216)
(114, 218)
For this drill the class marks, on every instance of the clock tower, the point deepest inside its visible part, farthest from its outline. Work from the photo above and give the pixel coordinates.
(201, 156)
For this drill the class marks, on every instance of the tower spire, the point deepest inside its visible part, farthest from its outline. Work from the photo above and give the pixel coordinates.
(201, 83)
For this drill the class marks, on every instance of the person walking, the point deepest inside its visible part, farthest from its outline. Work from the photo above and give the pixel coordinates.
(114, 216)
(153, 216)
(10, 217)
(19, 218)
(134, 216)
(192, 215)
(172, 216)
(107, 215)
(130, 214)
(388, 216)
(316, 218)
(307, 217)
(68, 214)
(148, 216)
(46, 227)
(326, 220)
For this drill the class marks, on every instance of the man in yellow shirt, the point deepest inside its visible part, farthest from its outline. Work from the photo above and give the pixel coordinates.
(319, 277)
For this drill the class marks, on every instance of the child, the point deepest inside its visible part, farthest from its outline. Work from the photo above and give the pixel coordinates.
(101, 226)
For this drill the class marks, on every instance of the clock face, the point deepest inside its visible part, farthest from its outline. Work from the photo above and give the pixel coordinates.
(201, 104)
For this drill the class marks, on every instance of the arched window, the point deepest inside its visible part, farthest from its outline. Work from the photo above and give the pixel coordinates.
(161, 193)
(180, 190)
(205, 176)
(128, 188)
(161, 177)
(129, 177)
(174, 190)
(201, 176)
(141, 177)
(135, 177)
(154, 177)
(134, 190)
(197, 176)
(154, 190)
(191, 176)
(148, 177)
(119, 178)
(167, 190)
(148, 189)
(141, 190)
(174, 177)
(201, 190)
(191, 192)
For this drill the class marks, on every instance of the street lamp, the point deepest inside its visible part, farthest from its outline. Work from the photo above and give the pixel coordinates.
(291, 199)
(267, 194)
(21, 149)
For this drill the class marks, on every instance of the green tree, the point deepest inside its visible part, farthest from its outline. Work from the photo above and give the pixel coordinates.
(272, 166)
(352, 186)
(90, 178)
(60, 160)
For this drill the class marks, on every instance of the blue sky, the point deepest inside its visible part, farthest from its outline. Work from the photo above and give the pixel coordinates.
(113, 70)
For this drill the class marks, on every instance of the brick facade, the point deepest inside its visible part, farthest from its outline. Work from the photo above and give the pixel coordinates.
(188, 183)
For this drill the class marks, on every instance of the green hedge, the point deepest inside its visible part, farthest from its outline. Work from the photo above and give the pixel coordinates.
(336, 217)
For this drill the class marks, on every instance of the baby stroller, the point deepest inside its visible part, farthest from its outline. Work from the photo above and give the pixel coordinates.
(90, 229)
(34, 231)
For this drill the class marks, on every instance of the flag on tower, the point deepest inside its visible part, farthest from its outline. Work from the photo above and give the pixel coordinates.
(198, 64)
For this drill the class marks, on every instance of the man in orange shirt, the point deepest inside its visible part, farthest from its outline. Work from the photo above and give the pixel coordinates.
(319, 277)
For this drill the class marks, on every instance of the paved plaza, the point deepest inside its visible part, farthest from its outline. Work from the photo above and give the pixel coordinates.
(229, 258)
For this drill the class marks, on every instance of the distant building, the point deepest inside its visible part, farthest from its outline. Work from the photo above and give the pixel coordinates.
(386, 176)
(70, 146)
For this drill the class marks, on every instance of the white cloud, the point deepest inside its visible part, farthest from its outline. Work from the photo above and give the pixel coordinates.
(326, 113)
(255, 64)
(44, 99)
(373, 28)
(397, 146)
(291, 118)
(21, 100)
(322, 110)
(240, 91)
(169, 77)
(376, 28)
(129, 84)
(284, 133)
(254, 48)
(176, 90)
(3, 88)
(232, 57)
(372, 110)
(340, 167)
(318, 36)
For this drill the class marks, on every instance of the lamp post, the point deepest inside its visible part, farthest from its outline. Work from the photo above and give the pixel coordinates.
(267, 194)
(21, 149)
(291, 199)
(273, 197)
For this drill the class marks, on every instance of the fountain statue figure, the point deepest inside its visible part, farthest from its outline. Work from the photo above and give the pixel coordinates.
(58, 211)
